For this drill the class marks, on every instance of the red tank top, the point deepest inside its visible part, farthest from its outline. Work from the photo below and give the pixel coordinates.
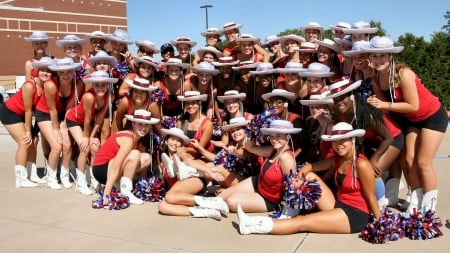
(428, 103)
(270, 181)
(347, 193)
(15, 103)
(169, 104)
(77, 113)
(198, 135)
(60, 106)
(110, 148)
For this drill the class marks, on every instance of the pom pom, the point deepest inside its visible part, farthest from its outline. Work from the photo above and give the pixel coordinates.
(151, 189)
(116, 201)
(169, 122)
(217, 129)
(253, 130)
(422, 225)
(388, 227)
(158, 96)
(238, 165)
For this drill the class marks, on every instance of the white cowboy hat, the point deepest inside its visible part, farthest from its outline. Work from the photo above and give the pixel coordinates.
(212, 31)
(191, 95)
(38, 36)
(205, 67)
(102, 56)
(357, 48)
(247, 37)
(140, 84)
(231, 94)
(121, 36)
(270, 39)
(360, 27)
(307, 47)
(98, 35)
(279, 126)
(297, 38)
(329, 44)
(175, 132)
(347, 40)
(317, 69)
(44, 62)
(263, 68)
(147, 44)
(70, 39)
(291, 67)
(340, 25)
(225, 61)
(211, 49)
(235, 122)
(245, 65)
(64, 64)
(312, 25)
(183, 40)
(100, 76)
(382, 45)
(230, 26)
(343, 130)
(142, 116)
(342, 87)
(176, 62)
(147, 60)
(279, 93)
(317, 99)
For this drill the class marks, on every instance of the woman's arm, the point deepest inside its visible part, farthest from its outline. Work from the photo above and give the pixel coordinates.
(322, 165)
(28, 69)
(387, 139)
(208, 155)
(50, 95)
(265, 57)
(287, 163)
(124, 88)
(120, 113)
(366, 176)
(264, 151)
(27, 95)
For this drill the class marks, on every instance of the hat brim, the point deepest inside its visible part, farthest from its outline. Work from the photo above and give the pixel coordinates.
(351, 87)
(190, 43)
(391, 50)
(166, 132)
(254, 40)
(38, 39)
(360, 30)
(139, 60)
(128, 42)
(103, 37)
(240, 96)
(220, 64)
(74, 66)
(149, 46)
(208, 71)
(303, 50)
(62, 43)
(180, 65)
(217, 53)
(351, 134)
(93, 59)
(39, 65)
(100, 80)
(311, 74)
(267, 96)
(351, 53)
(267, 43)
(321, 29)
(249, 66)
(218, 33)
(298, 39)
(309, 102)
(134, 86)
(236, 26)
(234, 125)
(150, 121)
(202, 97)
(269, 130)
(285, 70)
(335, 48)
(264, 72)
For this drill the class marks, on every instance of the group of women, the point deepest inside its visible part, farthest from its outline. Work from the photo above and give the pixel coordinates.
(239, 118)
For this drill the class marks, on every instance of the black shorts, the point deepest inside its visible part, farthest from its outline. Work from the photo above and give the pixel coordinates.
(8, 117)
(71, 123)
(43, 116)
(437, 122)
(398, 141)
(269, 205)
(100, 173)
(356, 218)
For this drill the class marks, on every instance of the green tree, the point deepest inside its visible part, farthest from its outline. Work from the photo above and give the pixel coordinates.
(447, 26)
(381, 31)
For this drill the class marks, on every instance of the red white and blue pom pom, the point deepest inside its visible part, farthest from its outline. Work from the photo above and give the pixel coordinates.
(387, 227)
(253, 130)
(303, 198)
(117, 201)
(152, 189)
(239, 165)
(158, 96)
(422, 225)
(169, 122)
(217, 129)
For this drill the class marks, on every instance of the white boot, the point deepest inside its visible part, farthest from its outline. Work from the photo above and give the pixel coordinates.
(64, 176)
(212, 202)
(22, 178)
(33, 175)
(392, 188)
(253, 224)
(126, 186)
(52, 181)
(416, 200)
(184, 171)
(81, 184)
(94, 183)
(200, 212)
(429, 200)
(168, 164)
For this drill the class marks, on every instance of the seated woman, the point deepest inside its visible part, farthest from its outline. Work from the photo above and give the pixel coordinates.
(355, 199)
(120, 158)
(263, 193)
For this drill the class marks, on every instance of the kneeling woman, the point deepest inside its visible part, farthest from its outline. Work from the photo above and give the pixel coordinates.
(120, 158)
(355, 198)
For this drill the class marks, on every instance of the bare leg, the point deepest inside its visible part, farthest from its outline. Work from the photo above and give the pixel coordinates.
(180, 197)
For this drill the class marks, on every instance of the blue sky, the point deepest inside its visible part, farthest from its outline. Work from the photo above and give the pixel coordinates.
(162, 21)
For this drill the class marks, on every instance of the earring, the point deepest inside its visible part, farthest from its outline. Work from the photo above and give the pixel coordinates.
(286, 105)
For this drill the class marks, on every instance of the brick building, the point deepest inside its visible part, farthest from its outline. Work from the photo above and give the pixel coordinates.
(18, 18)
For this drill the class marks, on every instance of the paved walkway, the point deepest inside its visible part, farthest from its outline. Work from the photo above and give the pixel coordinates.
(43, 220)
